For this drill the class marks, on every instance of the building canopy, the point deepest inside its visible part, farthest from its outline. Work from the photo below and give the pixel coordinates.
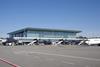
(44, 29)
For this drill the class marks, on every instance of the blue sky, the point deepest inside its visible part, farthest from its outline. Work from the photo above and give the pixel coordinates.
(60, 14)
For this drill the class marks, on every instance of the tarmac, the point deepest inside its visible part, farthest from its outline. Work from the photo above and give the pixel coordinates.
(50, 56)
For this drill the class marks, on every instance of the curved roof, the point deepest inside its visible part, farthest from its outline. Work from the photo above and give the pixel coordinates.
(44, 29)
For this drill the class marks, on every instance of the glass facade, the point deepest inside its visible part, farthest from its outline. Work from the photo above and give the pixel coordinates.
(47, 34)
(43, 33)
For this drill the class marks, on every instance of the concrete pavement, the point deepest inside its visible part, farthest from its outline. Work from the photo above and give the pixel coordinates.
(52, 56)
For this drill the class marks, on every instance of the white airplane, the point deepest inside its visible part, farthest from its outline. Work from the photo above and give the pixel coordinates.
(91, 41)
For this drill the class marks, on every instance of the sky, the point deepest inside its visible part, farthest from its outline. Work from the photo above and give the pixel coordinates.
(81, 15)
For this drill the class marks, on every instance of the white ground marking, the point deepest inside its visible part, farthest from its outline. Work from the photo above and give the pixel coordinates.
(68, 62)
(69, 56)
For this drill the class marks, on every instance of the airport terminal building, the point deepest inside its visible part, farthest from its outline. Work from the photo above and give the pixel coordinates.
(44, 33)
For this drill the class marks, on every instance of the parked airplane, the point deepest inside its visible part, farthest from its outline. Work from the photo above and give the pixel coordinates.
(90, 42)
